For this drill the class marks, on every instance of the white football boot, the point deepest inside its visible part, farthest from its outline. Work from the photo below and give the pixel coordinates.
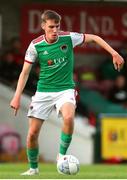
(31, 172)
(59, 156)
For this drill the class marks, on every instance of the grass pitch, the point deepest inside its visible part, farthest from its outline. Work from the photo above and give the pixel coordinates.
(48, 171)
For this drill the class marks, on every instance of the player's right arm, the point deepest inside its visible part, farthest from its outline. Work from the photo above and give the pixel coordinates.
(30, 57)
(15, 102)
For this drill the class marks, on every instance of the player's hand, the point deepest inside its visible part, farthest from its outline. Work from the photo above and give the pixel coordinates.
(118, 61)
(15, 104)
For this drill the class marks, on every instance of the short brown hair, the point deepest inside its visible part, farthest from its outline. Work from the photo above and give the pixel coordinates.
(49, 14)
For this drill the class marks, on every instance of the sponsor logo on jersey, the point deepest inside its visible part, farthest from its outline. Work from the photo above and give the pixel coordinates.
(50, 62)
(64, 48)
(57, 61)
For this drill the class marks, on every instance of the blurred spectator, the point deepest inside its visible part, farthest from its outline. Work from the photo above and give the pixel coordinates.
(107, 70)
(123, 53)
(9, 70)
(88, 77)
(118, 93)
(107, 76)
(123, 50)
(16, 49)
(11, 62)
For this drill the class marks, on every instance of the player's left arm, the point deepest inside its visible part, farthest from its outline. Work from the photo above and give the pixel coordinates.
(118, 61)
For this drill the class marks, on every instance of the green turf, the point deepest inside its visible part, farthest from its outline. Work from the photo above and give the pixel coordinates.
(48, 171)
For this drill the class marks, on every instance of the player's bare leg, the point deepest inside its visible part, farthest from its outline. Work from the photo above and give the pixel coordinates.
(68, 112)
(32, 145)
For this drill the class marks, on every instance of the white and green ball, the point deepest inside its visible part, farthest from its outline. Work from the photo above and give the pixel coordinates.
(68, 165)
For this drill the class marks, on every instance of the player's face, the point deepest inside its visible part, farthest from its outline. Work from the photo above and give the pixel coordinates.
(51, 29)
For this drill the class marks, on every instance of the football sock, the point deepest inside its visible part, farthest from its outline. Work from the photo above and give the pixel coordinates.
(32, 155)
(65, 142)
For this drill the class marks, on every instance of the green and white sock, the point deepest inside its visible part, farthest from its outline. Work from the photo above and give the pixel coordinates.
(32, 155)
(65, 142)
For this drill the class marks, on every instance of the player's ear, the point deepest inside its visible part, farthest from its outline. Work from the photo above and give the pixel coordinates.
(43, 26)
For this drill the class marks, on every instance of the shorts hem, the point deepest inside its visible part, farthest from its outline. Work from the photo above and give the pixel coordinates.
(58, 109)
(36, 116)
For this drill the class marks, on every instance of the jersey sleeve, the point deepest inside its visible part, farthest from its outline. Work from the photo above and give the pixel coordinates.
(31, 54)
(77, 38)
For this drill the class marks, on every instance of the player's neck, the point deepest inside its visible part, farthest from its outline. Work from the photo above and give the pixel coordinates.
(50, 41)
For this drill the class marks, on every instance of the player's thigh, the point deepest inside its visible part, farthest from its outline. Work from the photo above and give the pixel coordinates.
(68, 110)
(66, 103)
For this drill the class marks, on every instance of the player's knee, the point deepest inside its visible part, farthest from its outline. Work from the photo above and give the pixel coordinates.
(68, 119)
(32, 136)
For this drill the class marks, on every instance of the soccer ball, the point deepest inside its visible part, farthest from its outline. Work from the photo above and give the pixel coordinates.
(68, 164)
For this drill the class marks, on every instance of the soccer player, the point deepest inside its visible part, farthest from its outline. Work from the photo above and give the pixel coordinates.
(55, 88)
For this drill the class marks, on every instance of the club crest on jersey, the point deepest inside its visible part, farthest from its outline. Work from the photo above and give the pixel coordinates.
(64, 48)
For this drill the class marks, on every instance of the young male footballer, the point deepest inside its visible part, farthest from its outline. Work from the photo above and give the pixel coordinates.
(55, 88)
